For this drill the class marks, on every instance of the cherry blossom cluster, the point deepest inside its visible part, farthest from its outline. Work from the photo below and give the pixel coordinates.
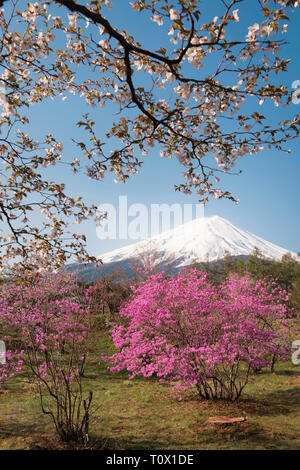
(189, 97)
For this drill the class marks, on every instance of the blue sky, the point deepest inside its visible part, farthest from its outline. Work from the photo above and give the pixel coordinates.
(268, 188)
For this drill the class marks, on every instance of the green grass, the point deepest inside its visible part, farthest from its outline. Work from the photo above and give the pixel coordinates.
(143, 414)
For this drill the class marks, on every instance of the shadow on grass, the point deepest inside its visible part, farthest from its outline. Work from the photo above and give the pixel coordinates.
(289, 399)
(250, 436)
(275, 403)
(289, 372)
(247, 435)
(22, 435)
(243, 436)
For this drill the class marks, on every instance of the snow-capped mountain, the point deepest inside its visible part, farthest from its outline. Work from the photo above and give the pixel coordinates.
(195, 241)
(199, 239)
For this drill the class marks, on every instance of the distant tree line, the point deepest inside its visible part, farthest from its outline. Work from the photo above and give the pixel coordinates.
(113, 289)
(285, 272)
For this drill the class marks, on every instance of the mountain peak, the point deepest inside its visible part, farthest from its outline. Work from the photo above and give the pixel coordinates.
(198, 240)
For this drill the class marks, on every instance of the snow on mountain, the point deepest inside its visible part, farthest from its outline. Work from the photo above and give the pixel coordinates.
(196, 240)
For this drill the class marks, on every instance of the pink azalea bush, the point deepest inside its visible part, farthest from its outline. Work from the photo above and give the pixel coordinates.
(13, 364)
(191, 333)
(47, 321)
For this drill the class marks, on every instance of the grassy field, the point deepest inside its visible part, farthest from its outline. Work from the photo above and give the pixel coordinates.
(143, 414)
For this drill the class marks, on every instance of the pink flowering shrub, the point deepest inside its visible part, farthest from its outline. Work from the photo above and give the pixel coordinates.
(190, 333)
(48, 323)
(13, 364)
